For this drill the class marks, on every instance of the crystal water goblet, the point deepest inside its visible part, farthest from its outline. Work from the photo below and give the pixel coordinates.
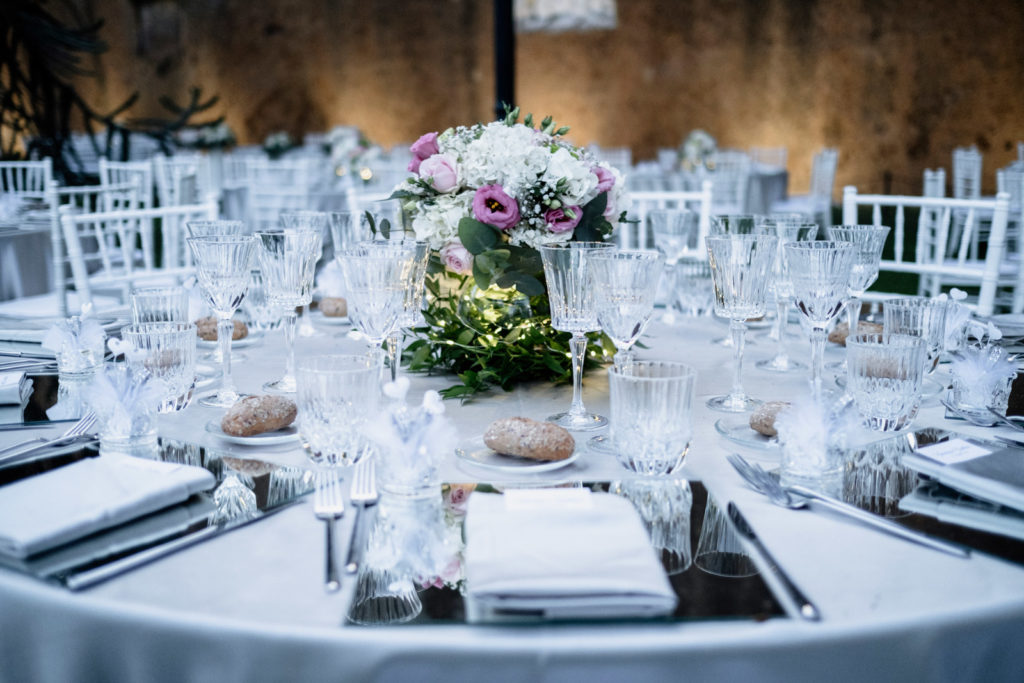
(734, 224)
(288, 262)
(348, 229)
(918, 317)
(675, 233)
(411, 303)
(214, 227)
(740, 270)
(223, 265)
(375, 275)
(819, 271)
(695, 294)
(262, 314)
(317, 222)
(159, 304)
(624, 283)
(786, 229)
(868, 241)
(571, 297)
(167, 352)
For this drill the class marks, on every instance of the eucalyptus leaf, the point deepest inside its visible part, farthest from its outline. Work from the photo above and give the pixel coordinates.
(477, 237)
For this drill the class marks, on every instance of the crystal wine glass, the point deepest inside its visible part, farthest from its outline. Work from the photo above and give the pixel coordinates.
(375, 281)
(734, 224)
(819, 271)
(867, 241)
(305, 221)
(571, 297)
(740, 269)
(209, 228)
(411, 303)
(288, 261)
(624, 285)
(223, 263)
(786, 230)
(675, 233)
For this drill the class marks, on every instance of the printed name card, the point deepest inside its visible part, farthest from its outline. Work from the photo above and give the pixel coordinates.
(953, 451)
(547, 499)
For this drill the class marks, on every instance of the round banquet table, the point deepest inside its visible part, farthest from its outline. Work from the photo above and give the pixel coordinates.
(250, 605)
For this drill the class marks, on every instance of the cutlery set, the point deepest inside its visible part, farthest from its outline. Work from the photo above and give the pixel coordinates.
(329, 506)
(82, 431)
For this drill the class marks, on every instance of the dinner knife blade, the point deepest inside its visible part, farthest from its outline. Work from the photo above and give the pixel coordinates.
(805, 608)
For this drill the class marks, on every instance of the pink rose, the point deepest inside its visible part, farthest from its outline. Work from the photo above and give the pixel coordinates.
(439, 170)
(493, 206)
(422, 149)
(605, 178)
(559, 220)
(457, 258)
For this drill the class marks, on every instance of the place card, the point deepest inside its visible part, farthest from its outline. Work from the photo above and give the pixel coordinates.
(953, 451)
(547, 499)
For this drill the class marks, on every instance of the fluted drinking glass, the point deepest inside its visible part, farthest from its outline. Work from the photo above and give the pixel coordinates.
(819, 271)
(740, 270)
(305, 221)
(223, 263)
(571, 297)
(868, 241)
(624, 283)
(918, 317)
(288, 262)
(411, 303)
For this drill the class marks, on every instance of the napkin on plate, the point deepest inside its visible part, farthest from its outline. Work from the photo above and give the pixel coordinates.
(71, 502)
(561, 554)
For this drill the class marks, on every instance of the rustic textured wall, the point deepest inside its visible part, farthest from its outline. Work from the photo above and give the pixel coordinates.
(894, 84)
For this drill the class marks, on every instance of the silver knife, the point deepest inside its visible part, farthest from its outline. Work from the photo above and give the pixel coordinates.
(804, 606)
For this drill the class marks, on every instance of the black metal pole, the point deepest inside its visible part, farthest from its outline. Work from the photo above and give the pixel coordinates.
(504, 57)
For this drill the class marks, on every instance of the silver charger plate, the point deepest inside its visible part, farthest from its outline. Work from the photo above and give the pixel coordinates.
(479, 455)
(737, 430)
(290, 433)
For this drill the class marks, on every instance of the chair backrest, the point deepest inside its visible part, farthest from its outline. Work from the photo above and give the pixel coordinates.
(776, 157)
(929, 260)
(638, 235)
(138, 172)
(966, 172)
(823, 173)
(934, 184)
(730, 178)
(27, 179)
(114, 249)
(181, 179)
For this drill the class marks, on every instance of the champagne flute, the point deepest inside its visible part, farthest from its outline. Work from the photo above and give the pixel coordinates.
(223, 263)
(571, 298)
(288, 261)
(740, 269)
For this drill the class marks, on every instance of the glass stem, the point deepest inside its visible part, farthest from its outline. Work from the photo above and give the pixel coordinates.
(853, 313)
(738, 328)
(578, 346)
(394, 352)
(225, 328)
(818, 338)
(781, 313)
(290, 323)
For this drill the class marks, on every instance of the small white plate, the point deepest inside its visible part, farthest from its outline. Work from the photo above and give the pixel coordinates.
(930, 387)
(738, 431)
(285, 435)
(481, 456)
(329, 319)
(252, 338)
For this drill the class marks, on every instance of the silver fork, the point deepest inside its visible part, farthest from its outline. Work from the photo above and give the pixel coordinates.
(1005, 420)
(363, 494)
(797, 497)
(79, 429)
(328, 505)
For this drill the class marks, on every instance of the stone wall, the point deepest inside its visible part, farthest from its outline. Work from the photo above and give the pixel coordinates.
(894, 84)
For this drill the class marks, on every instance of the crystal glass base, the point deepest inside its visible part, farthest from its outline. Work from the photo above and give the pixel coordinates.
(732, 404)
(601, 444)
(285, 385)
(585, 422)
(220, 399)
(780, 364)
(836, 366)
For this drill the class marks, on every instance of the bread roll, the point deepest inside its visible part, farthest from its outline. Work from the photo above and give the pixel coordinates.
(528, 438)
(762, 420)
(206, 328)
(334, 306)
(841, 331)
(258, 414)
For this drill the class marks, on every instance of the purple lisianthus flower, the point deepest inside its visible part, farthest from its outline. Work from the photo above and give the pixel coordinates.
(493, 206)
(605, 178)
(563, 220)
(422, 149)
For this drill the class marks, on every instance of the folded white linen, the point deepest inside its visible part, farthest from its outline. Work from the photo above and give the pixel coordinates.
(10, 383)
(68, 503)
(561, 554)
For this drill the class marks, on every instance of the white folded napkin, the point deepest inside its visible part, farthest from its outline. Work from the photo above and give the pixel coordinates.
(10, 383)
(561, 554)
(68, 503)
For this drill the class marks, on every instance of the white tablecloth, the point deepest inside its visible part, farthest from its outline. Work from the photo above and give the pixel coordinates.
(250, 605)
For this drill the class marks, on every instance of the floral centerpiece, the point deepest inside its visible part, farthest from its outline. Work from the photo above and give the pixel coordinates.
(352, 153)
(485, 197)
(276, 144)
(697, 150)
